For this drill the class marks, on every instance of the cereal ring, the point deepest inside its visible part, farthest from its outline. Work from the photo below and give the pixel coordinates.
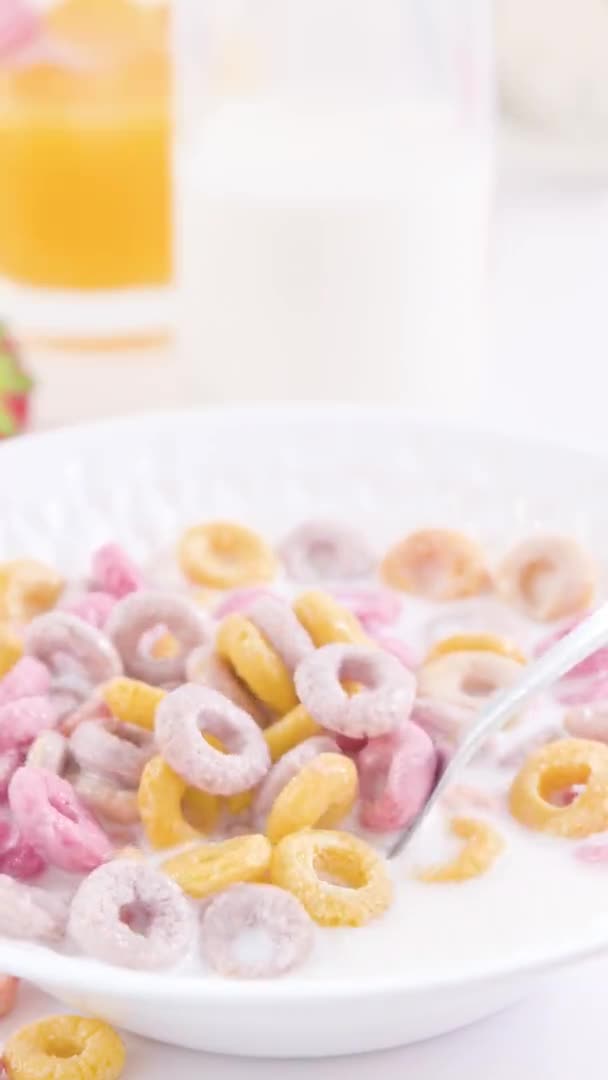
(385, 700)
(51, 637)
(283, 631)
(18, 859)
(547, 577)
(326, 551)
(11, 649)
(445, 722)
(204, 667)
(65, 1048)
(54, 821)
(129, 913)
(117, 752)
(588, 722)
(439, 564)
(321, 794)
(132, 702)
(94, 708)
(187, 711)
(475, 643)
(210, 868)
(240, 600)
(467, 679)
(114, 572)
(27, 588)
(262, 908)
(31, 913)
(21, 721)
(554, 768)
(106, 800)
(28, 678)
(164, 799)
(396, 773)
(9, 988)
(398, 648)
(279, 776)
(93, 608)
(374, 608)
(483, 845)
(10, 760)
(225, 556)
(327, 621)
(262, 670)
(291, 729)
(303, 862)
(585, 683)
(134, 616)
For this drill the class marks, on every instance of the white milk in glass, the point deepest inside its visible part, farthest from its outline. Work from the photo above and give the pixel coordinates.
(333, 253)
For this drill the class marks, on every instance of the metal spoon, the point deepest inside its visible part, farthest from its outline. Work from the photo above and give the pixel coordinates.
(574, 647)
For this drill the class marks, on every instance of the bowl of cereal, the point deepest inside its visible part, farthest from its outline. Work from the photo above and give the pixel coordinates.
(237, 647)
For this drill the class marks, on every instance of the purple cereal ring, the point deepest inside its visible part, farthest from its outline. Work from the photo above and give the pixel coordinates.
(28, 678)
(18, 859)
(131, 914)
(114, 572)
(204, 666)
(276, 620)
(181, 717)
(93, 608)
(266, 908)
(326, 551)
(10, 760)
(50, 750)
(241, 600)
(31, 913)
(396, 775)
(384, 702)
(63, 641)
(139, 613)
(22, 720)
(116, 751)
(374, 608)
(283, 771)
(52, 819)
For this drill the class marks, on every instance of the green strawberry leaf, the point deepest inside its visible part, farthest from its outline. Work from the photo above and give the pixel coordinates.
(12, 379)
(8, 425)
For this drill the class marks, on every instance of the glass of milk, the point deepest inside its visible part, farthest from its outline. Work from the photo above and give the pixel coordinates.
(333, 168)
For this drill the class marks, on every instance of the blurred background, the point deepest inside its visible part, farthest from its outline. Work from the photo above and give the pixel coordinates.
(400, 201)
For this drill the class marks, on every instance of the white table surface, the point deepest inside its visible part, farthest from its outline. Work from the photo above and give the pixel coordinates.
(548, 375)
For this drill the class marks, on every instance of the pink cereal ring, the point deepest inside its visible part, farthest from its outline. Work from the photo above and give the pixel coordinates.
(139, 613)
(205, 667)
(50, 750)
(588, 722)
(21, 721)
(50, 816)
(131, 914)
(114, 572)
(596, 851)
(587, 682)
(9, 988)
(58, 636)
(384, 702)
(241, 600)
(396, 775)
(93, 608)
(326, 551)
(116, 751)
(374, 608)
(266, 908)
(94, 708)
(106, 800)
(399, 648)
(445, 722)
(28, 678)
(283, 771)
(18, 859)
(547, 577)
(10, 760)
(31, 913)
(276, 620)
(186, 712)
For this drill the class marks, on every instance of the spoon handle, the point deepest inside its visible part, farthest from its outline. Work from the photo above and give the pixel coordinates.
(574, 647)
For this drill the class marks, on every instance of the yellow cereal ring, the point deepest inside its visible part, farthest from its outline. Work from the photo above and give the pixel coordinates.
(327, 621)
(132, 701)
(320, 794)
(224, 555)
(554, 768)
(256, 663)
(209, 868)
(11, 649)
(290, 730)
(483, 844)
(167, 806)
(65, 1048)
(440, 564)
(27, 588)
(302, 860)
(475, 643)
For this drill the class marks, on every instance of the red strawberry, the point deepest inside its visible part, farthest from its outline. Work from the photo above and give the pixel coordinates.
(15, 387)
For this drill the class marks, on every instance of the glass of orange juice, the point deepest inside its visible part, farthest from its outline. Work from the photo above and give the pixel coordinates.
(85, 244)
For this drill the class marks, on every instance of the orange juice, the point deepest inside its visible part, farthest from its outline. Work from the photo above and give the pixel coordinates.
(84, 153)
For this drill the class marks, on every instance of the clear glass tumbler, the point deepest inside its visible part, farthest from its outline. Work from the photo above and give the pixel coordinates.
(333, 168)
(85, 202)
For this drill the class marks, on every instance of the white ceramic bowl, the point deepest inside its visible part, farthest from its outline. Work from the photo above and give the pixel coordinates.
(141, 480)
